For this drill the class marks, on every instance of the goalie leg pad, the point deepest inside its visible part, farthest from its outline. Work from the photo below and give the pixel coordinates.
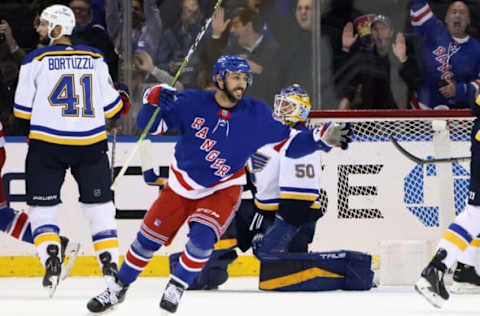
(318, 271)
(302, 238)
(275, 241)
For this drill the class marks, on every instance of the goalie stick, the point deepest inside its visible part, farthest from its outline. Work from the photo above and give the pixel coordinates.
(152, 119)
(421, 161)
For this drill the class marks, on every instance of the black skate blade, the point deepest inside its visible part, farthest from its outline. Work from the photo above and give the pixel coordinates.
(423, 288)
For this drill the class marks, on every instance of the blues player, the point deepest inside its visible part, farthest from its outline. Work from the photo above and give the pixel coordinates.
(16, 224)
(66, 93)
(220, 129)
(287, 189)
(459, 237)
(450, 57)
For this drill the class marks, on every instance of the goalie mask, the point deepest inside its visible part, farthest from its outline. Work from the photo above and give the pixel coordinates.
(292, 105)
(230, 63)
(58, 15)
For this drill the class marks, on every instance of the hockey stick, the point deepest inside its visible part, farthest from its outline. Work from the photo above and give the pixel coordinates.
(421, 161)
(114, 146)
(152, 119)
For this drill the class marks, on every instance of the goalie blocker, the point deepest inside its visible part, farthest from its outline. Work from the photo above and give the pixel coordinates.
(318, 271)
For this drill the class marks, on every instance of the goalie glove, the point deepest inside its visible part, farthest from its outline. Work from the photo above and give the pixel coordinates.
(161, 95)
(333, 135)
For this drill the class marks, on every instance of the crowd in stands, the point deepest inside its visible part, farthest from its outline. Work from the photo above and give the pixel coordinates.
(373, 56)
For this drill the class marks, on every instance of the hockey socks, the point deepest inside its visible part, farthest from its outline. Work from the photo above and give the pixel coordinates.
(44, 236)
(105, 244)
(196, 254)
(137, 258)
(16, 224)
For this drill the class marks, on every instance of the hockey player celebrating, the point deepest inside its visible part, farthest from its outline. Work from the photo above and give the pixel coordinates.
(287, 189)
(220, 130)
(450, 57)
(66, 93)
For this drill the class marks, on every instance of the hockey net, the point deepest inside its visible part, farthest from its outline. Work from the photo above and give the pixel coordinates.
(373, 193)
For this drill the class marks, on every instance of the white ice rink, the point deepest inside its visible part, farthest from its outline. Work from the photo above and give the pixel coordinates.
(238, 297)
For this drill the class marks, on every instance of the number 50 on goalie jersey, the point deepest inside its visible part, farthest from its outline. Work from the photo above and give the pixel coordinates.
(277, 177)
(66, 93)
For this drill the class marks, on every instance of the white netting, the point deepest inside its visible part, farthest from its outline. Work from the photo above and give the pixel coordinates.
(384, 193)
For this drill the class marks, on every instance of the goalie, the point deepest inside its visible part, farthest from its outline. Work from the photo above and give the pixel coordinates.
(282, 219)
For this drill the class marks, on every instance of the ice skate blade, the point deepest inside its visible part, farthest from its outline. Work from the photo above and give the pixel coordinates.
(52, 288)
(165, 312)
(464, 288)
(72, 252)
(423, 288)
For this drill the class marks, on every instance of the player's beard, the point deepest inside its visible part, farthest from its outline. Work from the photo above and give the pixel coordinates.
(230, 95)
(44, 40)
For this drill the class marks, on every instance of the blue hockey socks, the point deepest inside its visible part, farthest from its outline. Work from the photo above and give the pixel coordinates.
(16, 224)
(274, 243)
(197, 252)
(137, 258)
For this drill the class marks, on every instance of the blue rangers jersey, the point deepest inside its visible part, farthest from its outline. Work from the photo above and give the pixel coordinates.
(66, 93)
(277, 176)
(444, 57)
(216, 143)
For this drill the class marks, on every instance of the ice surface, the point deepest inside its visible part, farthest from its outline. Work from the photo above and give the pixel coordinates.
(237, 297)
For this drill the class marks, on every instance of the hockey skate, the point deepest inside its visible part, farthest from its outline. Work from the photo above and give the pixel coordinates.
(53, 268)
(465, 280)
(172, 295)
(431, 284)
(71, 249)
(113, 295)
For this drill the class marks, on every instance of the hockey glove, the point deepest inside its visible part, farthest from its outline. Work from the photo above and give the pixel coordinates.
(161, 95)
(125, 95)
(333, 135)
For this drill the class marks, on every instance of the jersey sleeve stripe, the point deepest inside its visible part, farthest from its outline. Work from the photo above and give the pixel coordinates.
(267, 205)
(421, 16)
(22, 115)
(22, 112)
(113, 108)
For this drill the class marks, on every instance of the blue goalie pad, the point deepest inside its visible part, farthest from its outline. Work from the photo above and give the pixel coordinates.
(214, 273)
(318, 271)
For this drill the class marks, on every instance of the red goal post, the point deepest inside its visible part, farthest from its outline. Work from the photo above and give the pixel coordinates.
(373, 192)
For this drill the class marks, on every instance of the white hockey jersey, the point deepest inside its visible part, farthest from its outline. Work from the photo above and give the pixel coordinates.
(66, 92)
(278, 177)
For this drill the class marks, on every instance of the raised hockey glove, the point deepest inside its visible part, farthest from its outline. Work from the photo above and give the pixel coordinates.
(161, 95)
(125, 95)
(333, 135)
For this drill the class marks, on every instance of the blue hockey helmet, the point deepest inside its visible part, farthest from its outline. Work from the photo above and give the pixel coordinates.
(292, 105)
(232, 64)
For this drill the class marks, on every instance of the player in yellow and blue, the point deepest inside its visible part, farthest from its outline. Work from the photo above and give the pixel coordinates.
(287, 188)
(66, 93)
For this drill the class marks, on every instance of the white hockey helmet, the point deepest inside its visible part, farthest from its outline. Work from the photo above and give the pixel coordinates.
(292, 105)
(61, 15)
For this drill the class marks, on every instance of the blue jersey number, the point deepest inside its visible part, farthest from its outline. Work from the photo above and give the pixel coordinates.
(64, 95)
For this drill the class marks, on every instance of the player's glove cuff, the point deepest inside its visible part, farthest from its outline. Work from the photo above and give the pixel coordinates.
(161, 95)
(333, 135)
